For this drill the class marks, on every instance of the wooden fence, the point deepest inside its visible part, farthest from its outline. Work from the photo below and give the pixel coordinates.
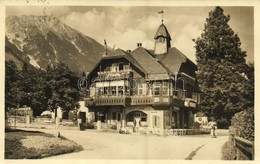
(243, 147)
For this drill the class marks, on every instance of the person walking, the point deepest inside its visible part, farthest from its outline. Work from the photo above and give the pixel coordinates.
(213, 130)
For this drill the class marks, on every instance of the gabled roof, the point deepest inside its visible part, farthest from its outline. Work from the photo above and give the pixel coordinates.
(119, 53)
(162, 31)
(173, 59)
(149, 63)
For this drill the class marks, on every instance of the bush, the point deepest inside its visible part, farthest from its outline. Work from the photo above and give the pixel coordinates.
(89, 126)
(113, 127)
(196, 125)
(14, 148)
(228, 151)
(244, 122)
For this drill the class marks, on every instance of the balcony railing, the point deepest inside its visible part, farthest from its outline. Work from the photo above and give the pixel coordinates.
(113, 101)
(162, 100)
(188, 102)
(108, 75)
(141, 100)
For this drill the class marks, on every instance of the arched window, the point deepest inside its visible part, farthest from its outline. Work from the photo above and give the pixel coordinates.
(136, 114)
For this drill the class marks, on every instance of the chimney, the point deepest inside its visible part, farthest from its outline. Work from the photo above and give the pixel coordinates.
(128, 51)
(139, 44)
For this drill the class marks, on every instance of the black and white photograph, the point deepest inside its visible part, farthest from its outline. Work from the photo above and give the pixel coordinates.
(128, 81)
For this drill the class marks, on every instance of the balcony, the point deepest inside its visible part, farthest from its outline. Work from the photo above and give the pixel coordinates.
(112, 101)
(138, 100)
(188, 102)
(162, 101)
(141, 100)
(108, 75)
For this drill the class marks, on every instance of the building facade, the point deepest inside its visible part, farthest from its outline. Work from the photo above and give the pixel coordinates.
(152, 89)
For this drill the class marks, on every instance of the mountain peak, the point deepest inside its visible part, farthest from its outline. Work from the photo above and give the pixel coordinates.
(47, 40)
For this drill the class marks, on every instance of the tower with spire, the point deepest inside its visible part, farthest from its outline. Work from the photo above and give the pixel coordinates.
(162, 39)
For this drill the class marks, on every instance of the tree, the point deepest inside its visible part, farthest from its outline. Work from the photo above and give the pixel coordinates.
(40, 89)
(221, 69)
(12, 76)
(62, 84)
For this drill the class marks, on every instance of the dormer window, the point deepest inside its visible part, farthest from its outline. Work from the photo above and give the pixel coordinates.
(161, 39)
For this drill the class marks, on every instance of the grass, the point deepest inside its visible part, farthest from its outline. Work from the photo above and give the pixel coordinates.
(15, 150)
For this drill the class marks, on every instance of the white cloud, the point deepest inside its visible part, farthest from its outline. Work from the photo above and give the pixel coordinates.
(90, 23)
(183, 40)
(37, 10)
(126, 26)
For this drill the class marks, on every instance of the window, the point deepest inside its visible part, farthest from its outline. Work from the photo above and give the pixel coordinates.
(143, 117)
(100, 91)
(142, 89)
(113, 91)
(165, 88)
(114, 67)
(106, 91)
(120, 90)
(121, 66)
(156, 89)
(161, 39)
(155, 121)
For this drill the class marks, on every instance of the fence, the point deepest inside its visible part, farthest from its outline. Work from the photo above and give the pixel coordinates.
(243, 147)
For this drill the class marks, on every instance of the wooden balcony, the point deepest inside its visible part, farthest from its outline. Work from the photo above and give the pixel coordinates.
(112, 101)
(162, 101)
(151, 100)
(107, 75)
(188, 102)
(141, 100)
(138, 100)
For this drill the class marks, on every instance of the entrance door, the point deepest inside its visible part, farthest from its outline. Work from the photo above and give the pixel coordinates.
(82, 116)
(136, 118)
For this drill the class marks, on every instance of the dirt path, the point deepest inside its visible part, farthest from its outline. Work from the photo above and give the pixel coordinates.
(211, 150)
(134, 146)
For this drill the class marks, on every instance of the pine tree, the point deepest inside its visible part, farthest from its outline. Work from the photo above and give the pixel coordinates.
(221, 68)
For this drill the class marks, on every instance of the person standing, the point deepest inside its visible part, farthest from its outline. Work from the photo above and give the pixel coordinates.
(213, 130)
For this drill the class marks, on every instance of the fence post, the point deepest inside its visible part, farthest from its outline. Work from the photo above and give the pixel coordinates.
(27, 120)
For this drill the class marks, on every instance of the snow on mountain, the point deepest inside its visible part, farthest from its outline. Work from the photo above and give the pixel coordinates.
(45, 40)
(33, 61)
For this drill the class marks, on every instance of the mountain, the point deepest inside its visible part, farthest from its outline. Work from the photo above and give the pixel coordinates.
(45, 40)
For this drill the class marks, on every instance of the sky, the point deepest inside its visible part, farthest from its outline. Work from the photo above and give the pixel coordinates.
(124, 27)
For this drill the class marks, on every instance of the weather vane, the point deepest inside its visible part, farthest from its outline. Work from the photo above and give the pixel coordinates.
(161, 12)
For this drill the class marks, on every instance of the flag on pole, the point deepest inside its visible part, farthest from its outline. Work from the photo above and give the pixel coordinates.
(160, 12)
(105, 42)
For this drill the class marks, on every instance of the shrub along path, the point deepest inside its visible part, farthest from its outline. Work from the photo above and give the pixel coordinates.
(21, 144)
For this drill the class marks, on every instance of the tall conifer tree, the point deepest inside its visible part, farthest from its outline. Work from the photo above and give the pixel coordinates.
(221, 68)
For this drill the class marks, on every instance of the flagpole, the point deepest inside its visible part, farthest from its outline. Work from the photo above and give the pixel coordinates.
(161, 12)
(105, 46)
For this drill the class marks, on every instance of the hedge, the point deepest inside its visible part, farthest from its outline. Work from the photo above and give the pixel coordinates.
(244, 123)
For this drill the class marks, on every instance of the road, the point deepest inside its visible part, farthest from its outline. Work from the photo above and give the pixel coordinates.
(100, 145)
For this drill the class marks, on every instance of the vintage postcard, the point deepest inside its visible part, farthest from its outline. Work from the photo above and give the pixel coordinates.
(117, 81)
